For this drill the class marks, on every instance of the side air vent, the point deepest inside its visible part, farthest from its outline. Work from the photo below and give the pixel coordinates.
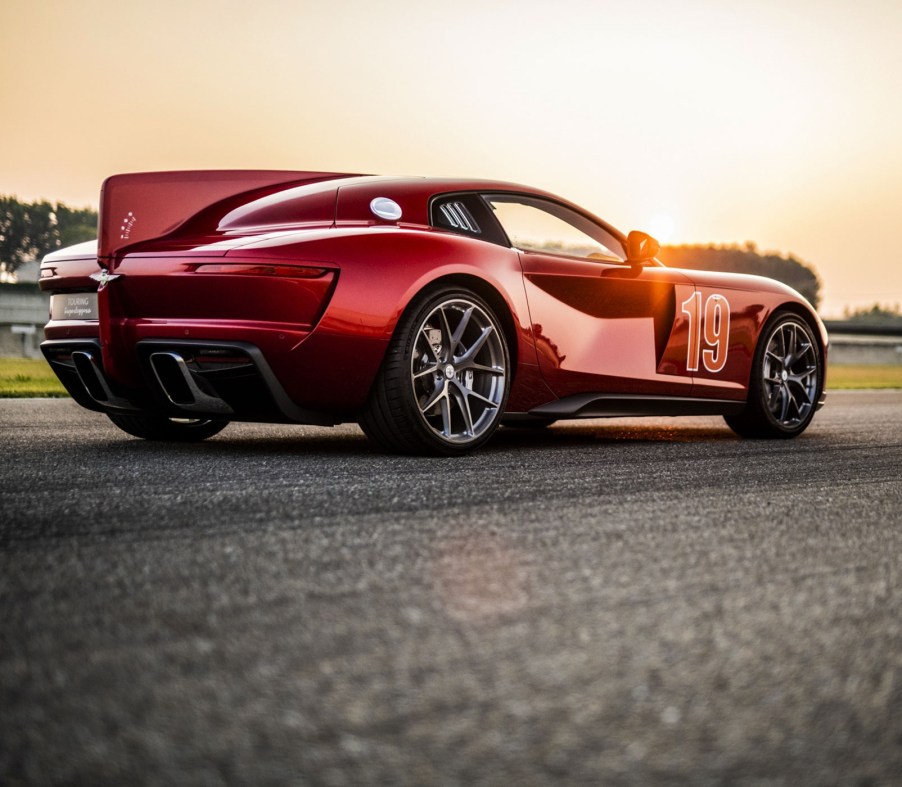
(456, 216)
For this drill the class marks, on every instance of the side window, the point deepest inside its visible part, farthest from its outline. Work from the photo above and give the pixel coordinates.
(535, 224)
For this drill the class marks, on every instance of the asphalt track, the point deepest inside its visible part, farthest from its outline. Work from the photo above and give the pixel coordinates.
(607, 602)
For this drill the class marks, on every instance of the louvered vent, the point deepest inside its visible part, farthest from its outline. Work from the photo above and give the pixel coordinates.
(456, 216)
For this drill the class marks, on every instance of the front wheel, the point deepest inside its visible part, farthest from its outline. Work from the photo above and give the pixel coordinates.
(445, 379)
(787, 380)
(159, 427)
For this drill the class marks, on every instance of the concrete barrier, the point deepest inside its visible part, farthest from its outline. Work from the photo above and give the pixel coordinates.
(853, 350)
(23, 313)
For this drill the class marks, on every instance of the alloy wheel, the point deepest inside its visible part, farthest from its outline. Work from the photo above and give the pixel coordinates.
(458, 371)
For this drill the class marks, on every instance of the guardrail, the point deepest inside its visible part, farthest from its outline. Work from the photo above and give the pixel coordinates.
(841, 327)
(864, 345)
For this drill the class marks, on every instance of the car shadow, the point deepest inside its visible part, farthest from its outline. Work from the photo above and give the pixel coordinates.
(349, 442)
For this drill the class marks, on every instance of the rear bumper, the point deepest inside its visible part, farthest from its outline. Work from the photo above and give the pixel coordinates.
(181, 378)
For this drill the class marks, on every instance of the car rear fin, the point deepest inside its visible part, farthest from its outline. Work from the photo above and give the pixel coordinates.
(145, 205)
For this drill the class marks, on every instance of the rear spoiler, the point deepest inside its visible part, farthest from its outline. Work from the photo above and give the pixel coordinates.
(145, 205)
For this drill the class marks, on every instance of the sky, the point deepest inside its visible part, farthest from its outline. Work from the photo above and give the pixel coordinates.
(777, 122)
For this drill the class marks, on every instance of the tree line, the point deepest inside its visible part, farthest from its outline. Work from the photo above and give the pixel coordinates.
(878, 314)
(746, 259)
(29, 230)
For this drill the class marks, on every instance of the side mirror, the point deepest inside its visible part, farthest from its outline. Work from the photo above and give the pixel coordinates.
(641, 247)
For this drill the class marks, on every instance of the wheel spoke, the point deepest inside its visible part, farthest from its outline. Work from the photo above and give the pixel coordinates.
(446, 416)
(474, 395)
(471, 353)
(458, 334)
(794, 402)
(781, 337)
(431, 370)
(441, 390)
(460, 398)
(772, 399)
(791, 347)
(804, 349)
(478, 367)
(447, 333)
(801, 388)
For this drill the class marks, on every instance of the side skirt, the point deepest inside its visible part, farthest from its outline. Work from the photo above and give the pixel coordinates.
(606, 405)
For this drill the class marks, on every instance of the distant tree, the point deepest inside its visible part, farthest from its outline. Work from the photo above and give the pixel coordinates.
(746, 259)
(75, 225)
(29, 230)
(42, 236)
(875, 315)
(14, 237)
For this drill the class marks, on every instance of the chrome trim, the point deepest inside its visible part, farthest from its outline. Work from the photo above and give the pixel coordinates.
(386, 208)
(458, 217)
(104, 277)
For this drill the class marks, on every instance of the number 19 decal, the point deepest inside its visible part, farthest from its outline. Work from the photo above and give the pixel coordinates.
(714, 330)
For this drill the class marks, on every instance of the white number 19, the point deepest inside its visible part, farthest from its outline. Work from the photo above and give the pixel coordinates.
(714, 329)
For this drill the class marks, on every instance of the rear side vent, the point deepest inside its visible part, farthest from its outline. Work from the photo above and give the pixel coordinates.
(456, 216)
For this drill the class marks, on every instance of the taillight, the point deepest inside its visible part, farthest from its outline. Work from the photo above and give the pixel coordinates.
(261, 269)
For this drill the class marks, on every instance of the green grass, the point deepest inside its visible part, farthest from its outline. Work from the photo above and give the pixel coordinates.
(839, 377)
(20, 377)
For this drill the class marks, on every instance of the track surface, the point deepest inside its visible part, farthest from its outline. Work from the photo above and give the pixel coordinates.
(609, 601)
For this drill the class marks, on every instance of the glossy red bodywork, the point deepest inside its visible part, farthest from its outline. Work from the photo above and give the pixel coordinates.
(209, 256)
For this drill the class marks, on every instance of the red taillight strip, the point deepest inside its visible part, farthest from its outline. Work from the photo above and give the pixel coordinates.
(261, 269)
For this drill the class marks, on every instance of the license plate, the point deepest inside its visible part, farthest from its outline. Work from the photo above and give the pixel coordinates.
(74, 306)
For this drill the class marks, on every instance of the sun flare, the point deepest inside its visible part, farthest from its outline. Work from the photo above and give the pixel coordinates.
(661, 227)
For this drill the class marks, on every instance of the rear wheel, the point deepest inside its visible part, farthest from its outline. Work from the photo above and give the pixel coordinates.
(445, 379)
(787, 379)
(159, 427)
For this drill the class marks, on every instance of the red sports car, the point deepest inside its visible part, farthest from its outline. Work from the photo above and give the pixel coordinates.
(428, 310)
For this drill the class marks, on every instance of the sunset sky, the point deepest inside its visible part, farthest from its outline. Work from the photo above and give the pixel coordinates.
(774, 121)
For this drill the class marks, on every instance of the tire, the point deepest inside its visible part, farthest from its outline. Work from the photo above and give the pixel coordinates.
(173, 430)
(786, 382)
(445, 379)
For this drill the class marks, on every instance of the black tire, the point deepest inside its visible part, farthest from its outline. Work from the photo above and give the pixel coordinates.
(173, 430)
(445, 379)
(786, 382)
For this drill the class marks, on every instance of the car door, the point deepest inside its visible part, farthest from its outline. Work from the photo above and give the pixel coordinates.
(599, 323)
(723, 318)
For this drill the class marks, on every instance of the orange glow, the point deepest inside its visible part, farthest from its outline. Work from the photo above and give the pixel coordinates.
(661, 226)
(772, 122)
